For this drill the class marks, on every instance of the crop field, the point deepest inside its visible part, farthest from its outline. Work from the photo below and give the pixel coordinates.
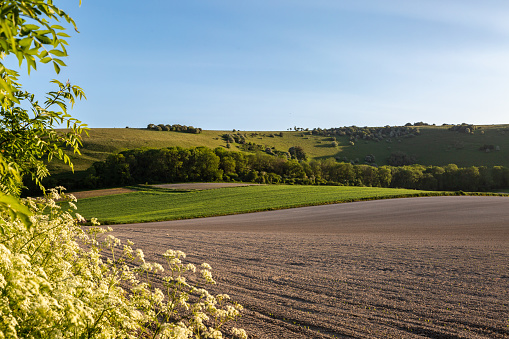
(426, 267)
(156, 203)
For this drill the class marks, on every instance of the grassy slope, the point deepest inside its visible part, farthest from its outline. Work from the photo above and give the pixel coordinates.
(163, 204)
(435, 145)
(438, 146)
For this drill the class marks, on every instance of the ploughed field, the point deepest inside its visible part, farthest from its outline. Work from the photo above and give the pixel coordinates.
(430, 267)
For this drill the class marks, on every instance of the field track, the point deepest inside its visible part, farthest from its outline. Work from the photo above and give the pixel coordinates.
(432, 267)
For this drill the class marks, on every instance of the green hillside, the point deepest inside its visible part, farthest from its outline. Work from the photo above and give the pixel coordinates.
(435, 145)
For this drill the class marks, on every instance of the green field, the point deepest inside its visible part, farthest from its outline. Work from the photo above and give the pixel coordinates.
(154, 204)
(436, 145)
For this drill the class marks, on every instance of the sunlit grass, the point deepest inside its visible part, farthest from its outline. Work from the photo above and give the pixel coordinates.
(435, 146)
(164, 204)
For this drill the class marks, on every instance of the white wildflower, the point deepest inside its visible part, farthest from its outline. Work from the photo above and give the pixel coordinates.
(139, 255)
(239, 333)
(80, 218)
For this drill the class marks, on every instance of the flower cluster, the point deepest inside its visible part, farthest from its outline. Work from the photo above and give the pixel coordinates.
(58, 280)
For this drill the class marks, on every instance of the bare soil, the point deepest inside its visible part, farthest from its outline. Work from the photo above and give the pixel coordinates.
(433, 267)
(102, 192)
(203, 185)
(187, 186)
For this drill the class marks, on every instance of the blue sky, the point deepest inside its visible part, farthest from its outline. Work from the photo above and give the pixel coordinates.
(271, 65)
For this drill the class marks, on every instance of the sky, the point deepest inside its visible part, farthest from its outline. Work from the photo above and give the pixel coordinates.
(276, 64)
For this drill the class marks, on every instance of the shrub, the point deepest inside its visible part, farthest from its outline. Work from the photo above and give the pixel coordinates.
(298, 153)
(370, 158)
(56, 282)
(174, 128)
(463, 128)
(487, 148)
(400, 159)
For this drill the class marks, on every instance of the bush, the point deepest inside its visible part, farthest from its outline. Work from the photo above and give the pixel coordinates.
(298, 153)
(174, 128)
(400, 159)
(370, 159)
(56, 282)
(487, 148)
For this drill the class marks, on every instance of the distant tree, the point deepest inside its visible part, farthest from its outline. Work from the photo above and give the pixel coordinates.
(384, 176)
(469, 178)
(297, 152)
(370, 158)
(368, 175)
(405, 177)
(400, 159)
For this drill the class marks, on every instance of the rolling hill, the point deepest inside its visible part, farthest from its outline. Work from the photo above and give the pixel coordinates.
(432, 145)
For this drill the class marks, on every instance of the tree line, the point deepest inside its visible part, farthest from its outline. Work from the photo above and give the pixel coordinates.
(199, 164)
(174, 128)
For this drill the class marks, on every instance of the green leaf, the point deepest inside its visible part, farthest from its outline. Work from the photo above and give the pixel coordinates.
(3, 44)
(43, 32)
(34, 51)
(57, 53)
(57, 68)
(15, 209)
(31, 63)
(25, 42)
(60, 62)
(31, 27)
(43, 39)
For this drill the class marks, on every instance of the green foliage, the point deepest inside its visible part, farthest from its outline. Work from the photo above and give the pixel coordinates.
(297, 152)
(173, 164)
(150, 204)
(234, 138)
(28, 31)
(400, 159)
(174, 128)
(10, 206)
(355, 133)
(463, 128)
(200, 164)
(27, 138)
